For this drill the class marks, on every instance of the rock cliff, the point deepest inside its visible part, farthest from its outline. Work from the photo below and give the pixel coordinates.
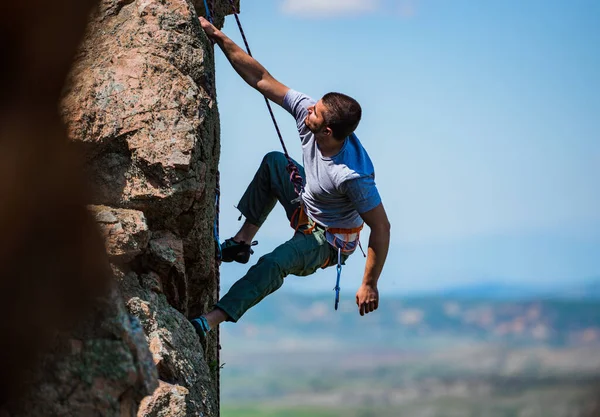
(140, 110)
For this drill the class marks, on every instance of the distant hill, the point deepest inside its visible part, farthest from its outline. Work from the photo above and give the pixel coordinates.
(585, 289)
(578, 289)
(458, 316)
(497, 291)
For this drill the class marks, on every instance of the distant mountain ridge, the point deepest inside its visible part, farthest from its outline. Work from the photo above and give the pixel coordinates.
(585, 289)
(477, 315)
(498, 290)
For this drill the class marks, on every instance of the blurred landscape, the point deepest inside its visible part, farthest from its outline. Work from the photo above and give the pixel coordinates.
(486, 350)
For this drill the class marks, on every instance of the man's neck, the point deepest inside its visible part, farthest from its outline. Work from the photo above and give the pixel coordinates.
(330, 146)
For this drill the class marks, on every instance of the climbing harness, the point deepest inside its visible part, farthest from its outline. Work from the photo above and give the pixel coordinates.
(344, 240)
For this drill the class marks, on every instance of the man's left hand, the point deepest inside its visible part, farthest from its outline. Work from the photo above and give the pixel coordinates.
(367, 299)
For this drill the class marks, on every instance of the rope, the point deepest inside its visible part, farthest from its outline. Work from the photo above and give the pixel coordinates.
(208, 15)
(291, 167)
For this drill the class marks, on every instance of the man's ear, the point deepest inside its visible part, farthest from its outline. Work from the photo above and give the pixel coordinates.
(328, 131)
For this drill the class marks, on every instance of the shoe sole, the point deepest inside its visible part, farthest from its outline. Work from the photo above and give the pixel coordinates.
(240, 257)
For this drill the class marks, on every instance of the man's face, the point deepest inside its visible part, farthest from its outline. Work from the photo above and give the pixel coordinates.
(315, 121)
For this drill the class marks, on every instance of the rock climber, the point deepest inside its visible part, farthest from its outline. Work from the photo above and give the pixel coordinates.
(339, 195)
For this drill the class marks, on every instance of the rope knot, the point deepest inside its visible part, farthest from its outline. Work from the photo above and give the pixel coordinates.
(295, 176)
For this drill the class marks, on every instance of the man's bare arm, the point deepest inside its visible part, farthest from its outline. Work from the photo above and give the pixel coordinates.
(247, 67)
(367, 297)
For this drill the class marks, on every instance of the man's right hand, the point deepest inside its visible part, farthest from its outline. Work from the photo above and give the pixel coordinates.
(209, 28)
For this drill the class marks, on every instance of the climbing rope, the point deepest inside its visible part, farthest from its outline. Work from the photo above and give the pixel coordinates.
(208, 14)
(291, 167)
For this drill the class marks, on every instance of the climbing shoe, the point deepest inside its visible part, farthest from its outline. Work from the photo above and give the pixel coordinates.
(236, 251)
(202, 328)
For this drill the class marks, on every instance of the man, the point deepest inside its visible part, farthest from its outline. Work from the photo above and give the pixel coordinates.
(339, 195)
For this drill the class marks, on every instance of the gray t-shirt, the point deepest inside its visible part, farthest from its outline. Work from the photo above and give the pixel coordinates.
(337, 188)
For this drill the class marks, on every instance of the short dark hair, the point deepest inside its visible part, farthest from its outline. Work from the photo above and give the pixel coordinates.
(342, 115)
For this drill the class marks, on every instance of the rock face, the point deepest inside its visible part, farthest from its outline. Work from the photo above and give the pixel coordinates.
(141, 117)
(140, 106)
(187, 383)
(126, 232)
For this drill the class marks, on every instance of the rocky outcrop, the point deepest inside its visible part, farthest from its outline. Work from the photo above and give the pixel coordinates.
(125, 231)
(186, 377)
(140, 110)
(140, 106)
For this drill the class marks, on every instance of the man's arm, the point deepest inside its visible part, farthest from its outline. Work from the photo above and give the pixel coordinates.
(249, 68)
(367, 297)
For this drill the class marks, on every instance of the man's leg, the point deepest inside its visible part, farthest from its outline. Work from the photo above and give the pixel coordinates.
(302, 255)
(246, 232)
(271, 183)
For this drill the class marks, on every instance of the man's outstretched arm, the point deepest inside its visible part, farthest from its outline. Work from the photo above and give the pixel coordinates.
(367, 297)
(249, 68)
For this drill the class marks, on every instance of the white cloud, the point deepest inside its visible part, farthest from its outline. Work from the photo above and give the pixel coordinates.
(407, 8)
(328, 8)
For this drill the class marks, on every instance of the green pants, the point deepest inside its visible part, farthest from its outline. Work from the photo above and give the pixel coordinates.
(302, 255)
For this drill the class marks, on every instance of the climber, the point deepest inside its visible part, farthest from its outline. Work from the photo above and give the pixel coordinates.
(338, 197)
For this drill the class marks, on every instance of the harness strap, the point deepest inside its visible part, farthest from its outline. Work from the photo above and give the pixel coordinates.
(347, 239)
(300, 218)
(345, 231)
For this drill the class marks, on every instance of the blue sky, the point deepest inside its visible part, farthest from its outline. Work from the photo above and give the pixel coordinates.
(482, 120)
